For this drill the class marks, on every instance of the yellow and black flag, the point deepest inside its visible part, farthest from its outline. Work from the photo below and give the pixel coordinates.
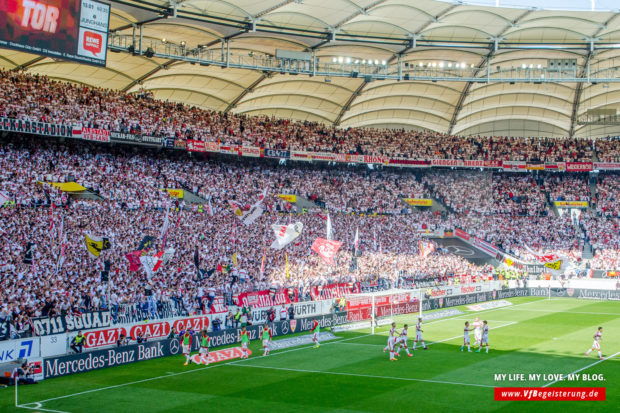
(95, 244)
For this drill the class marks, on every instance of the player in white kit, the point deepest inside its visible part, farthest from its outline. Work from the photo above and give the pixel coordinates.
(418, 334)
(596, 345)
(466, 337)
(392, 341)
(403, 341)
(485, 336)
(477, 331)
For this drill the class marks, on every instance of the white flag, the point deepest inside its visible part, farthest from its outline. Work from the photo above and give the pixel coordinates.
(356, 241)
(329, 228)
(4, 198)
(285, 234)
(153, 263)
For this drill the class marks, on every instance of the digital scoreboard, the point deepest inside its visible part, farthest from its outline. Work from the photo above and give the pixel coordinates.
(64, 29)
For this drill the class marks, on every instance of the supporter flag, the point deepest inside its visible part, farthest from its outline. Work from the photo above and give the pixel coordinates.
(134, 260)
(356, 242)
(236, 209)
(252, 213)
(210, 208)
(95, 245)
(234, 259)
(326, 249)
(288, 275)
(146, 244)
(426, 248)
(262, 264)
(329, 231)
(4, 198)
(509, 262)
(29, 253)
(285, 234)
(196, 259)
(153, 263)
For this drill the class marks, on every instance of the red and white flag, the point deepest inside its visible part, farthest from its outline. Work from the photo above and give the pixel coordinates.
(285, 234)
(326, 249)
(426, 248)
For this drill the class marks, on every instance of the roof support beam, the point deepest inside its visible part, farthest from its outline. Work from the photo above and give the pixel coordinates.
(484, 62)
(349, 102)
(276, 7)
(359, 12)
(145, 76)
(29, 63)
(247, 90)
(585, 69)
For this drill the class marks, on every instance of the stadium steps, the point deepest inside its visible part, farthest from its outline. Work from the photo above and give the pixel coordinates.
(593, 193)
(587, 252)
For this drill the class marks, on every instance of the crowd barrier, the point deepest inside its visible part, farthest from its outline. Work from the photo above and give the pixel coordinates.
(105, 136)
(49, 352)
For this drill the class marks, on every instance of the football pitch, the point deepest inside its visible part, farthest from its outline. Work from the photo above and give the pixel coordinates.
(352, 373)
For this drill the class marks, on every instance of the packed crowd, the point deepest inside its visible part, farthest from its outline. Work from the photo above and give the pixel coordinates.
(485, 193)
(39, 98)
(130, 204)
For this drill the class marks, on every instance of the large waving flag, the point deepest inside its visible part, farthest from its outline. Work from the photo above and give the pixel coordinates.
(251, 214)
(426, 248)
(95, 245)
(153, 263)
(285, 234)
(326, 249)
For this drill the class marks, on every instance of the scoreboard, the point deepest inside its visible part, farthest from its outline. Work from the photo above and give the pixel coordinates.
(64, 29)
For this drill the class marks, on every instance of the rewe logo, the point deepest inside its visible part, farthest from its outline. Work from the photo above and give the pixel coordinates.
(221, 355)
(93, 42)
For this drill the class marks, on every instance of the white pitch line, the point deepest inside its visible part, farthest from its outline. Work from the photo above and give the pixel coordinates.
(584, 368)
(40, 402)
(38, 407)
(362, 375)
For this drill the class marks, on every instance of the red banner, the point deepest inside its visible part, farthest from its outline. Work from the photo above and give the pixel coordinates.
(326, 249)
(97, 135)
(461, 234)
(331, 291)
(264, 299)
(579, 166)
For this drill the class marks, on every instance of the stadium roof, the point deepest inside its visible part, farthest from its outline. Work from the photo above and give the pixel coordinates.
(381, 30)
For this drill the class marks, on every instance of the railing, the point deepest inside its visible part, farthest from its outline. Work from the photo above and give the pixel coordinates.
(359, 68)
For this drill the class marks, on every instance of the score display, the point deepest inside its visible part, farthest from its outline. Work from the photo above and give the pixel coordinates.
(64, 29)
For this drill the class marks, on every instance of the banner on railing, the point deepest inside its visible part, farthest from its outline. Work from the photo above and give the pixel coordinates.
(571, 204)
(418, 201)
(96, 135)
(35, 128)
(62, 324)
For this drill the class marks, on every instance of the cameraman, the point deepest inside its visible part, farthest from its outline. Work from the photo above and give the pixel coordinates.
(77, 344)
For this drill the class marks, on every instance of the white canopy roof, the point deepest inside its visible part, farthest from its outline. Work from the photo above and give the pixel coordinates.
(302, 25)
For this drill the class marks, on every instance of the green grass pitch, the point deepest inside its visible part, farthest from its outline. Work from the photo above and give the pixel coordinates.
(353, 373)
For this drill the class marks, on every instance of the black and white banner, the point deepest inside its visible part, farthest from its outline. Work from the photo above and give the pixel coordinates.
(64, 324)
(35, 128)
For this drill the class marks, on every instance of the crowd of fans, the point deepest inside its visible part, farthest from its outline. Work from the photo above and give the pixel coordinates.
(128, 203)
(39, 98)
